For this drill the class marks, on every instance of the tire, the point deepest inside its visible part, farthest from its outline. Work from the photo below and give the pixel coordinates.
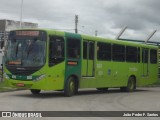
(102, 89)
(130, 86)
(35, 91)
(70, 87)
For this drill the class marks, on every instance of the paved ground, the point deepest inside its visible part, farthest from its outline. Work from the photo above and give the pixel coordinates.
(143, 99)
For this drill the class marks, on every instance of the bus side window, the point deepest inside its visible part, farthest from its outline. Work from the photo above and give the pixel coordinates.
(131, 54)
(56, 50)
(73, 47)
(153, 56)
(118, 53)
(104, 51)
(145, 55)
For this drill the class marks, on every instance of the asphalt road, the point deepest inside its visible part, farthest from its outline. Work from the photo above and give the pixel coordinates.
(143, 99)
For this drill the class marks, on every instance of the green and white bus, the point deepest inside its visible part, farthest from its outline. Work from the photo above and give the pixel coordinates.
(40, 59)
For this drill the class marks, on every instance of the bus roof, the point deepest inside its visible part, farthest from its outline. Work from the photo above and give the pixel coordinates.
(94, 38)
(121, 42)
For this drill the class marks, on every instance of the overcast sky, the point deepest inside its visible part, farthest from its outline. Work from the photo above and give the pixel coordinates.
(108, 17)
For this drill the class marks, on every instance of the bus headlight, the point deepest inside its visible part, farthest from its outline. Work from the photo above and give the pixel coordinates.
(6, 76)
(40, 78)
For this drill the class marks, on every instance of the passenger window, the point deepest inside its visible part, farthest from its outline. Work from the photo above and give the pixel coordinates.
(145, 55)
(91, 50)
(56, 50)
(73, 47)
(84, 50)
(153, 56)
(118, 53)
(138, 55)
(131, 54)
(104, 51)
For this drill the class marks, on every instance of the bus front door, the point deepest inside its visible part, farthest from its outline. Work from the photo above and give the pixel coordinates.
(88, 59)
(145, 60)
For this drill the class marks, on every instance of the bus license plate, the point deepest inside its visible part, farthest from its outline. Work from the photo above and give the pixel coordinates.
(20, 84)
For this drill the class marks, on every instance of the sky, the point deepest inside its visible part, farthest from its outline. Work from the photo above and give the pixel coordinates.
(107, 17)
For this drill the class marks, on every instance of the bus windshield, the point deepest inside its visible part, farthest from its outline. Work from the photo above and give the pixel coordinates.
(25, 52)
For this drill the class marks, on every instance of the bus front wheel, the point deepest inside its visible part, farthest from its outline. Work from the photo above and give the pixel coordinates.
(35, 91)
(70, 87)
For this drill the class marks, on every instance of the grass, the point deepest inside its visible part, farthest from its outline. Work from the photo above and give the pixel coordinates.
(2, 89)
(2, 84)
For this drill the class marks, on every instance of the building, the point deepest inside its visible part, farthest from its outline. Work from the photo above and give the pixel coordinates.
(8, 25)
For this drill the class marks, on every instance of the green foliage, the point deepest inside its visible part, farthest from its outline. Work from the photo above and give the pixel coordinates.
(2, 87)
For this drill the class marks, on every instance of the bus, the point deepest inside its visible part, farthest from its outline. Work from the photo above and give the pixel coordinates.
(42, 59)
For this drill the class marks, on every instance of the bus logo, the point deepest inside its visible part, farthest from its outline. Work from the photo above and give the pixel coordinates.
(6, 114)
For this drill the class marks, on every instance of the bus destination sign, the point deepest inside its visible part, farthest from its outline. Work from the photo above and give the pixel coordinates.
(27, 33)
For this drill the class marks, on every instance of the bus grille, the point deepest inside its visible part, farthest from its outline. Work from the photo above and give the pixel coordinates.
(23, 71)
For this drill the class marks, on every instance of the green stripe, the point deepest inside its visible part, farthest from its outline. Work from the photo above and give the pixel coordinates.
(21, 77)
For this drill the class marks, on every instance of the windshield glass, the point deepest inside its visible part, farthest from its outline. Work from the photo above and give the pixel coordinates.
(25, 52)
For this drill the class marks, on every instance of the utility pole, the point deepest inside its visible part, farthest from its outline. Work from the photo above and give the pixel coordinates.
(96, 32)
(21, 14)
(76, 23)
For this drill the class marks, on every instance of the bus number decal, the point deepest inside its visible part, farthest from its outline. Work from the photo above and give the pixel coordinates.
(134, 69)
(99, 65)
(100, 73)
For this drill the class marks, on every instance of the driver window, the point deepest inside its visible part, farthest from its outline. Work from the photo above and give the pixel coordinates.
(56, 50)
